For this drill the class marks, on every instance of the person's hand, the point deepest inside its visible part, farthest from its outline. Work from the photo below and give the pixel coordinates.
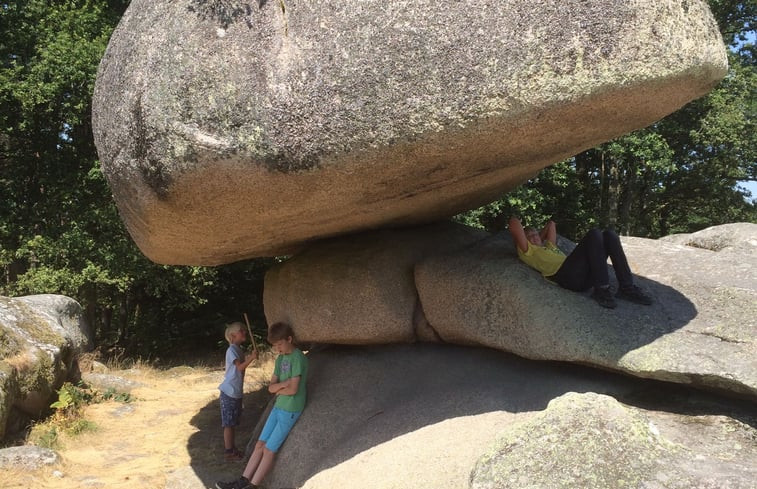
(253, 355)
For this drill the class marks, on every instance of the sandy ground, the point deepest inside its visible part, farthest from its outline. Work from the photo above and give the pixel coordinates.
(173, 423)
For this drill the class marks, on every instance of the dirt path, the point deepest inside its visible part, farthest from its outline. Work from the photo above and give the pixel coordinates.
(171, 431)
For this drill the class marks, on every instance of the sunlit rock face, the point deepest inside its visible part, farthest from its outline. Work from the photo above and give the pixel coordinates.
(448, 283)
(230, 130)
(41, 337)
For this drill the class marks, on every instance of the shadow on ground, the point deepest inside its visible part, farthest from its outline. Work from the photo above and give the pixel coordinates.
(361, 397)
(205, 447)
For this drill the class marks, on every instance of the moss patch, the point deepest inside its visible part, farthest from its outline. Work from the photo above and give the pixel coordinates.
(579, 441)
(35, 327)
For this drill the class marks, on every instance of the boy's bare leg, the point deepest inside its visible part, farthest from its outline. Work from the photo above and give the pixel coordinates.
(255, 458)
(228, 437)
(266, 463)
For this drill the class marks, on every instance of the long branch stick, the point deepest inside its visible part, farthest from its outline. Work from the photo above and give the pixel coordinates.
(252, 338)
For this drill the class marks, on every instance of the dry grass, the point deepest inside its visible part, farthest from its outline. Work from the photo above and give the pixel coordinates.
(173, 423)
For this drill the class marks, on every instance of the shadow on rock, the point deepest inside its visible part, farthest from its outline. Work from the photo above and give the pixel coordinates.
(225, 12)
(205, 447)
(484, 295)
(428, 398)
(430, 401)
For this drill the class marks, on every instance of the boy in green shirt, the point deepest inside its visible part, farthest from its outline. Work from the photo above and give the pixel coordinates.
(288, 384)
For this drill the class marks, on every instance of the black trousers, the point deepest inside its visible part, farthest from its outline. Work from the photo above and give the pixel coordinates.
(586, 266)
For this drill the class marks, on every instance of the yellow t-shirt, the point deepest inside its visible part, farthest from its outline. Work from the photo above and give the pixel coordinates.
(547, 259)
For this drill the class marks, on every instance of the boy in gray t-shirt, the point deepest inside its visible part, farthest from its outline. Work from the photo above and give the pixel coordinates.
(232, 387)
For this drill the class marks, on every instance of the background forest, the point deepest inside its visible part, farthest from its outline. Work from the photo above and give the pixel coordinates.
(60, 231)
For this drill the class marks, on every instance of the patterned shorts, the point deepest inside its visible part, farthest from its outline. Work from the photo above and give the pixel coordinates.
(231, 411)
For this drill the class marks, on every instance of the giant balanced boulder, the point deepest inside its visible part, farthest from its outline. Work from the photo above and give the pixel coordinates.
(229, 130)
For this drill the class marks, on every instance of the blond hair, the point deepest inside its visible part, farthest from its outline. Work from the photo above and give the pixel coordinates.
(232, 328)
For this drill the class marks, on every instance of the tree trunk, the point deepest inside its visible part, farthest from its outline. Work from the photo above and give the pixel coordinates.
(629, 197)
(613, 193)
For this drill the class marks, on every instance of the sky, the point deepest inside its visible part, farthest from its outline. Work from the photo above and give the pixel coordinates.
(751, 186)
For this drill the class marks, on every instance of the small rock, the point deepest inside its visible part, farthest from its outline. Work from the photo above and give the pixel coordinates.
(108, 381)
(27, 457)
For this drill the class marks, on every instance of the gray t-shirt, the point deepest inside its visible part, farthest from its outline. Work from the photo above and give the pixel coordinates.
(233, 381)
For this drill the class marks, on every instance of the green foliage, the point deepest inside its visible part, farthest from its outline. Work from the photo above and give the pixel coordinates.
(71, 398)
(112, 394)
(68, 413)
(60, 231)
(45, 436)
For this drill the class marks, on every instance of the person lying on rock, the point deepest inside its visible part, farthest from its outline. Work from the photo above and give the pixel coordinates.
(288, 385)
(585, 267)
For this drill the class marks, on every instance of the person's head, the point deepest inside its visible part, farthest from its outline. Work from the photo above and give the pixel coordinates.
(533, 236)
(281, 338)
(234, 333)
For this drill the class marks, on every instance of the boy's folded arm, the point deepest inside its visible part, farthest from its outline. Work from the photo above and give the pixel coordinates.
(290, 386)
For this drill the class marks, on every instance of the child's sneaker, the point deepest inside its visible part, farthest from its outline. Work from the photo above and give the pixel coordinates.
(240, 483)
(233, 455)
(603, 295)
(635, 294)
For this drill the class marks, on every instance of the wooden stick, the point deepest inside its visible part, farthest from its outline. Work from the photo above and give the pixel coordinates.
(252, 338)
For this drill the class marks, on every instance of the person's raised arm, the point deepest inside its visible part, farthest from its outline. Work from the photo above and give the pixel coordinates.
(549, 233)
(518, 234)
(248, 359)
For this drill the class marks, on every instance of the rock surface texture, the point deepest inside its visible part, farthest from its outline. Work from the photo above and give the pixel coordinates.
(450, 417)
(474, 290)
(229, 131)
(592, 440)
(41, 336)
(360, 289)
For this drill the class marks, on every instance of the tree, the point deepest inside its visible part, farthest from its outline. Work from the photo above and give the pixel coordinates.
(59, 229)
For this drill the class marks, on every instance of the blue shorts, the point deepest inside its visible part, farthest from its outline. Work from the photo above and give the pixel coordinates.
(277, 427)
(231, 411)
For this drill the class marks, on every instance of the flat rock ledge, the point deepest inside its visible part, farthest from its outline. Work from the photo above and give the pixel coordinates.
(452, 284)
(423, 415)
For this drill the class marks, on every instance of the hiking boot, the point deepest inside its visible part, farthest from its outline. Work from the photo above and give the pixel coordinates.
(635, 294)
(603, 295)
(240, 483)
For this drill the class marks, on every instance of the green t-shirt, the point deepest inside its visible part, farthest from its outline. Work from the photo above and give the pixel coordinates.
(294, 364)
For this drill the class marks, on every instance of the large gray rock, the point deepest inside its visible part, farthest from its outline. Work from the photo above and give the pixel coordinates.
(469, 288)
(425, 415)
(228, 131)
(702, 330)
(593, 441)
(738, 237)
(359, 289)
(41, 337)
(8, 389)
